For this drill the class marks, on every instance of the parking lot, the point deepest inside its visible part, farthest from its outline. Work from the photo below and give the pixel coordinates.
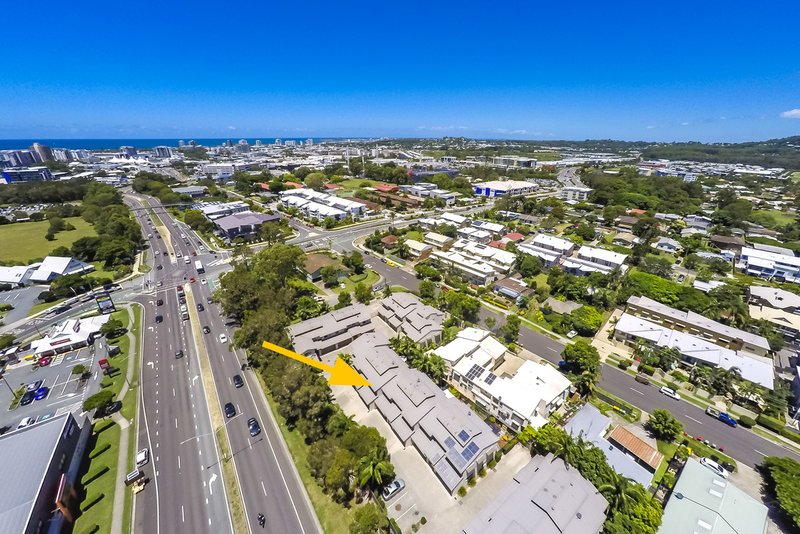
(66, 393)
(424, 495)
(22, 299)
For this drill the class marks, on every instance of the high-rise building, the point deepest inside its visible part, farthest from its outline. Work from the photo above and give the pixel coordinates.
(243, 142)
(44, 152)
(309, 142)
(289, 142)
(277, 142)
(192, 143)
(181, 143)
(127, 151)
(162, 152)
(258, 142)
(20, 158)
(80, 154)
(62, 154)
(228, 143)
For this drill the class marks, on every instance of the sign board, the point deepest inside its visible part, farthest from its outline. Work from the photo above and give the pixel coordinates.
(103, 363)
(104, 303)
(133, 476)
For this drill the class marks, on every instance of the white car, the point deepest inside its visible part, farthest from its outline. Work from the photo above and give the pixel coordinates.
(223, 338)
(142, 457)
(669, 392)
(203, 281)
(28, 421)
(714, 466)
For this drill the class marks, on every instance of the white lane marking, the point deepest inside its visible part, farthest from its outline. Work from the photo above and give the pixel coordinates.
(179, 461)
(176, 422)
(183, 517)
(173, 392)
(693, 419)
(211, 483)
(637, 391)
(263, 488)
(408, 510)
(759, 452)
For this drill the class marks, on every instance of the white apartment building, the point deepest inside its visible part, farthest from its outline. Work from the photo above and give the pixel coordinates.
(594, 260)
(769, 265)
(548, 248)
(575, 194)
(502, 261)
(474, 234)
(475, 271)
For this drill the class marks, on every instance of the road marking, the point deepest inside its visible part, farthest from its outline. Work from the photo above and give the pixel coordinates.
(409, 509)
(179, 461)
(176, 422)
(183, 517)
(263, 488)
(759, 452)
(173, 392)
(637, 391)
(693, 419)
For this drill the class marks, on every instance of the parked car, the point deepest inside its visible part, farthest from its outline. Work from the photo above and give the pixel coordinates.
(27, 398)
(44, 361)
(714, 466)
(230, 410)
(571, 334)
(237, 381)
(669, 392)
(41, 393)
(108, 409)
(255, 428)
(393, 488)
(142, 457)
(28, 421)
(33, 386)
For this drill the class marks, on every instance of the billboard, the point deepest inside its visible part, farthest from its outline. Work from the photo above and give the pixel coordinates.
(104, 303)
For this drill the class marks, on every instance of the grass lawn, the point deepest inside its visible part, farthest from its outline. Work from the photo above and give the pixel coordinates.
(100, 271)
(541, 281)
(355, 183)
(369, 277)
(781, 218)
(102, 458)
(796, 176)
(334, 518)
(415, 235)
(668, 450)
(23, 242)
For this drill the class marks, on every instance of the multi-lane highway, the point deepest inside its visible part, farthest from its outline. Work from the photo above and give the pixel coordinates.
(264, 469)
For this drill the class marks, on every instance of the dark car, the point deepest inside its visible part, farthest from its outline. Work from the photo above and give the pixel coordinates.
(27, 398)
(33, 386)
(178, 354)
(237, 381)
(230, 411)
(642, 379)
(108, 409)
(200, 307)
(160, 302)
(159, 318)
(179, 288)
(206, 330)
(209, 300)
(158, 236)
(159, 267)
(182, 300)
(255, 428)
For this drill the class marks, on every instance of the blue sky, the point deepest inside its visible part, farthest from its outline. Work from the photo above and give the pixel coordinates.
(680, 70)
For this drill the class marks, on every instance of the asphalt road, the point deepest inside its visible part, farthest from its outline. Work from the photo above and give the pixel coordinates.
(186, 491)
(265, 470)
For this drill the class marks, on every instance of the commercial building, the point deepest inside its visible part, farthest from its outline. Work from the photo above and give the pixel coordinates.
(477, 272)
(548, 248)
(40, 472)
(408, 316)
(332, 331)
(514, 161)
(163, 152)
(69, 335)
(500, 188)
(592, 425)
(500, 260)
(697, 325)
(193, 191)
(52, 267)
(27, 174)
(632, 330)
(544, 497)
(769, 265)
(452, 440)
(575, 194)
(703, 502)
(245, 225)
(215, 210)
(526, 398)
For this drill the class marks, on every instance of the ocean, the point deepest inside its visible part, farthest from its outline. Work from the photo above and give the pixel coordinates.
(112, 144)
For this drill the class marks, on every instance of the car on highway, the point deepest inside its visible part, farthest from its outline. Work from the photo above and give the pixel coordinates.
(160, 283)
(237, 381)
(41, 393)
(27, 398)
(203, 281)
(255, 428)
(159, 267)
(156, 253)
(178, 354)
(209, 300)
(33, 386)
(669, 392)
(223, 338)
(714, 466)
(159, 319)
(200, 307)
(642, 379)
(206, 330)
(160, 302)
(230, 411)
(28, 421)
(142, 457)
(393, 488)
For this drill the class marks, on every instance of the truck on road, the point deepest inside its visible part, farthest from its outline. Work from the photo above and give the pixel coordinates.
(722, 416)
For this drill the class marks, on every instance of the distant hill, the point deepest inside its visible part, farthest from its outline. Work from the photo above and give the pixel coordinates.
(773, 153)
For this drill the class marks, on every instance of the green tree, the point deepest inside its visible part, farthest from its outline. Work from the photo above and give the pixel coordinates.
(664, 426)
(427, 290)
(272, 232)
(783, 482)
(330, 275)
(582, 361)
(656, 265)
(356, 262)
(374, 470)
(197, 221)
(345, 299)
(112, 328)
(620, 492)
(369, 519)
(315, 180)
(586, 320)
(528, 266)
(511, 328)
(363, 293)
(98, 400)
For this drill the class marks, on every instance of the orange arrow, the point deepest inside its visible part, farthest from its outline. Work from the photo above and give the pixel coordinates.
(341, 374)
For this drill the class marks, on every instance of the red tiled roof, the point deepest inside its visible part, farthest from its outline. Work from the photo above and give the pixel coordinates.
(514, 236)
(498, 244)
(332, 186)
(389, 240)
(293, 184)
(263, 186)
(636, 211)
(636, 446)
(388, 188)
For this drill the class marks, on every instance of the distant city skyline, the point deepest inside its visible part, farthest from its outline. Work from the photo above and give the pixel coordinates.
(713, 72)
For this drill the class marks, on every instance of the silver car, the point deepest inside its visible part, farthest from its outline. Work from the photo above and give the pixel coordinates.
(393, 488)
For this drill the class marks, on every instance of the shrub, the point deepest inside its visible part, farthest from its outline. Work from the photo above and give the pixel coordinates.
(786, 433)
(482, 472)
(462, 491)
(674, 385)
(747, 422)
(423, 520)
(471, 482)
(647, 369)
(624, 364)
(680, 376)
(770, 423)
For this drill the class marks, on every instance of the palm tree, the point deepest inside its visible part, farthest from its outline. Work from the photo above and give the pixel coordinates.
(373, 470)
(700, 375)
(619, 492)
(565, 449)
(723, 380)
(586, 382)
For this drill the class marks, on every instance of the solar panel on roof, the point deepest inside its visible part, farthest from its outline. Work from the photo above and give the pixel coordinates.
(463, 436)
(449, 442)
(474, 371)
(491, 378)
